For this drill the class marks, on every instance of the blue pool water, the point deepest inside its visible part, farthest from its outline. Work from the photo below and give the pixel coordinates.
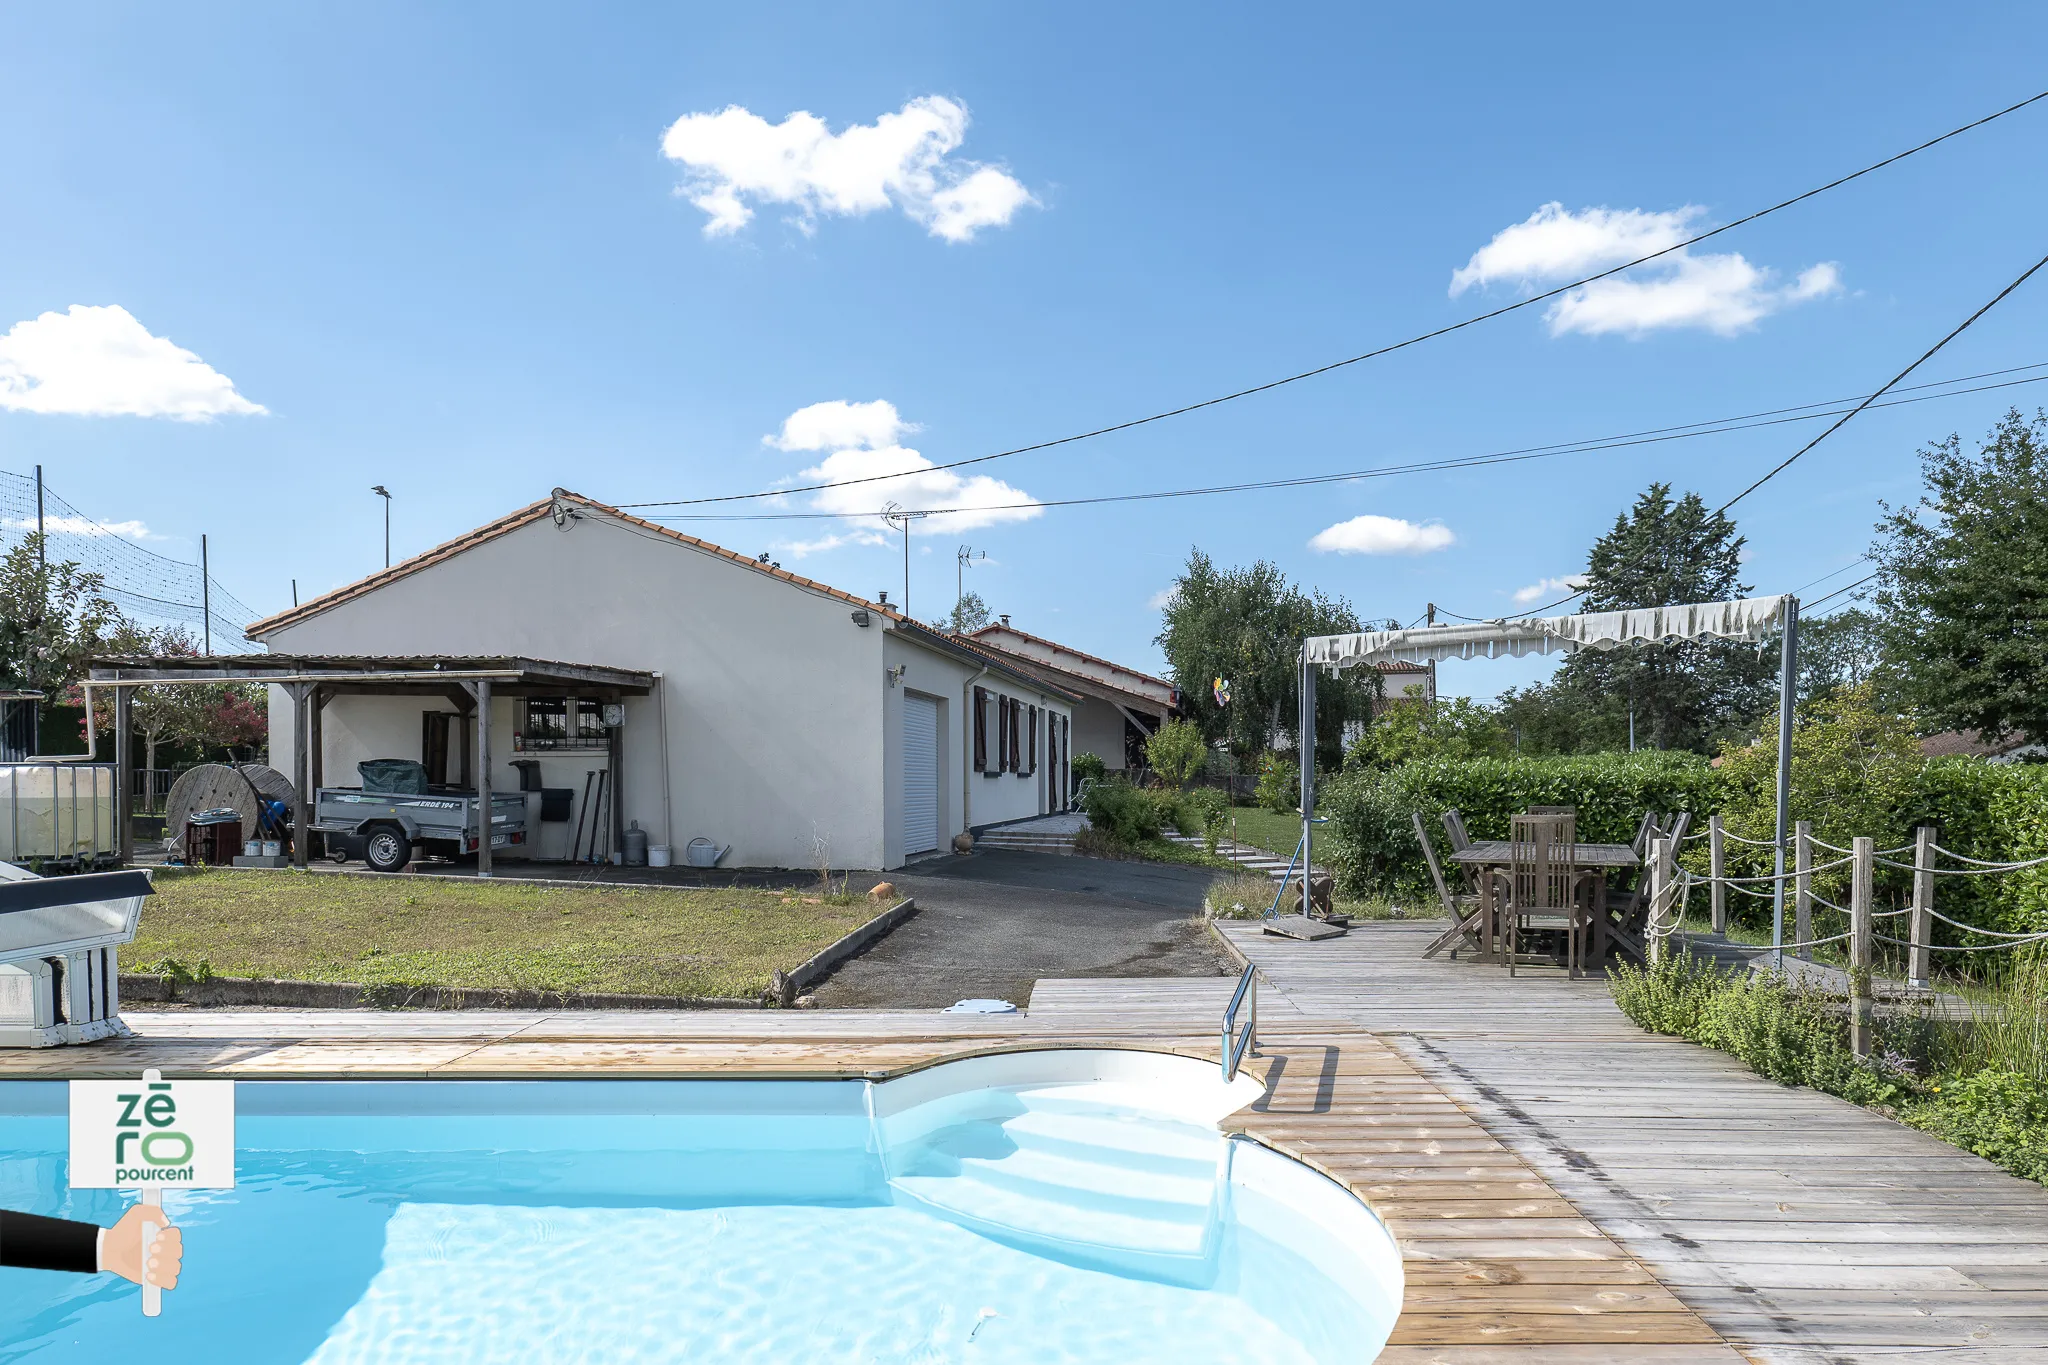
(599, 1221)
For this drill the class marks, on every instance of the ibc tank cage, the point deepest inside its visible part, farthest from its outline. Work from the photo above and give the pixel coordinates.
(58, 816)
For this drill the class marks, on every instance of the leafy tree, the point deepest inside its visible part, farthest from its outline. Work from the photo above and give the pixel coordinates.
(1550, 719)
(1246, 627)
(1853, 768)
(52, 619)
(969, 613)
(230, 719)
(1963, 583)
(1838, 651)
(1412, 728)
(1685, 694)
(1177, 751)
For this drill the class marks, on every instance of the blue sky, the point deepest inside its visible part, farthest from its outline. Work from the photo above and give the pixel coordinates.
(474, 256)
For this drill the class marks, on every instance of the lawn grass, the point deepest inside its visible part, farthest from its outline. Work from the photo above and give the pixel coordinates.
(1274, 831)
(301, 926)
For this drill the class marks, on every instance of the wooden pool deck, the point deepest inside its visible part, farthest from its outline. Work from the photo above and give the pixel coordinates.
(1564, 1188)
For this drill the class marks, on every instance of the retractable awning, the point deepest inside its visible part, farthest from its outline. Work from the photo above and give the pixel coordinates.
(1749, 618)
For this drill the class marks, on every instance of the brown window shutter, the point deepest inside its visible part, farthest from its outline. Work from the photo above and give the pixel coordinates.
(1016, 755)
(1031, 748)
(980, 730)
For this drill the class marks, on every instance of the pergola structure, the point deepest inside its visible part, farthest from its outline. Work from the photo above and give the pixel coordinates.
(312, 680)
(1749, 618)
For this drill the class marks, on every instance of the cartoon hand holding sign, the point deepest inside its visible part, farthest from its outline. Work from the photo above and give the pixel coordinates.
(148, 1135)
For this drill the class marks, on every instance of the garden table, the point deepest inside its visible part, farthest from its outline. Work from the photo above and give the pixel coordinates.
(1490, 858)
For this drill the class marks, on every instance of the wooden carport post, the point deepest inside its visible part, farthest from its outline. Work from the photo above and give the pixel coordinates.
(302, 770)
(481, 690)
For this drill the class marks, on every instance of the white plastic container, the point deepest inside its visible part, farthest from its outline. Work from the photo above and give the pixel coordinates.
(657, 855)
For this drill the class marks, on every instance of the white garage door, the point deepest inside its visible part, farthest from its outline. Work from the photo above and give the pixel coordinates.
(920, 775)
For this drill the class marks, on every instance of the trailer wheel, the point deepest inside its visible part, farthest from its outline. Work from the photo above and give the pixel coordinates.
(386, 849)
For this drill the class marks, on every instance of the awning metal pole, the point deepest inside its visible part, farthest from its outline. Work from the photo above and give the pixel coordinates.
(1788, 678)
(1308, 774)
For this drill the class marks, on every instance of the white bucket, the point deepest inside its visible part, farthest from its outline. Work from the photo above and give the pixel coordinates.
(273, 848)
(252, 849)
(657, 855)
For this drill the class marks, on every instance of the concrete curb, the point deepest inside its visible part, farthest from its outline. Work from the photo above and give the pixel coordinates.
(785, 987)
(235, 990)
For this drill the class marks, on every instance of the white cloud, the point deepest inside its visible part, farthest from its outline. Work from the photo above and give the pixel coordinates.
(902, 159)
(1556, 244)
(101, 362)
(1548, 589)
(1164, 598)
(838, 424)
(1719, 292)
(1372, 535)
(862, 442)
(81, 526)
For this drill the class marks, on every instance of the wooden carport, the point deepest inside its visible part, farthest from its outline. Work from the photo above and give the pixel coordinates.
(312, 680)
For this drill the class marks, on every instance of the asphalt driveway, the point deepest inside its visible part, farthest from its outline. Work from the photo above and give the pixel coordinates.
(990, 924)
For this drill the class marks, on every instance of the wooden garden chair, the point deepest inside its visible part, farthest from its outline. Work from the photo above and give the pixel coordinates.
(1464, 911)
(1543, 888)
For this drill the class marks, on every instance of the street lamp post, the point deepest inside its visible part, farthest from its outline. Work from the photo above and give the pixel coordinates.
(385, 494)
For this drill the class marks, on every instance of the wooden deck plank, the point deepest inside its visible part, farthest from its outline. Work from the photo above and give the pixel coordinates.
(1800, 1227)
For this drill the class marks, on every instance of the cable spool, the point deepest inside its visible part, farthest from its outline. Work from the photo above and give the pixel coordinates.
(212, 786)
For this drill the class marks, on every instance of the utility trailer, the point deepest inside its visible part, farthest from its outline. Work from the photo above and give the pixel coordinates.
(396, 814)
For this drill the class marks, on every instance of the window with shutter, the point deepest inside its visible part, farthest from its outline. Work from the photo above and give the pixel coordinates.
(1002, 764)
(980, 730)
(1031, 746)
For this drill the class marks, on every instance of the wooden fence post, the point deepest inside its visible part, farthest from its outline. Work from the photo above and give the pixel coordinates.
(1918, 965)
(1802, 888)
(1717, 862)
(1652, 925)
(1864, 867)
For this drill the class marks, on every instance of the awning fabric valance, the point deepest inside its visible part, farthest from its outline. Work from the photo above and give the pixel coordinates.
(1750, 618)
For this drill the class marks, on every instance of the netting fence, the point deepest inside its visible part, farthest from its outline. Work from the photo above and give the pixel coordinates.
(151, 589)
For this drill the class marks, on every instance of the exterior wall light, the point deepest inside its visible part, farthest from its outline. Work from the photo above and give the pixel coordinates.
(860, 617)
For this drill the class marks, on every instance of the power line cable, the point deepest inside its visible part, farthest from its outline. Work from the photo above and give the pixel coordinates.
(1392, 347)
(1928, 355)
(1590, 445)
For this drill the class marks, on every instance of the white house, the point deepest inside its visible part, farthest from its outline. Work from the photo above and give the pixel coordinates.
(790, 720)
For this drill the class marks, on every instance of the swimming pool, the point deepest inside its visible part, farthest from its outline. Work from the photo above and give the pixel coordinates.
(1028, 1207)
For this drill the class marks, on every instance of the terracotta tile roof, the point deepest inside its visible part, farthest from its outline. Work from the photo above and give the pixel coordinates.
(1079, 684)
(527, 516)
(574, 502)
(1067, 649)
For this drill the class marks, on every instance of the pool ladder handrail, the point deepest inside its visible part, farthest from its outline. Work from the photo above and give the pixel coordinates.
(1237, 1045)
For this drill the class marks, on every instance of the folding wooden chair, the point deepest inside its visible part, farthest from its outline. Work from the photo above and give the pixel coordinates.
(1464, 911)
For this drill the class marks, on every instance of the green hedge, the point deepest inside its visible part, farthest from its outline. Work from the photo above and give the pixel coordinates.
(1371, 839)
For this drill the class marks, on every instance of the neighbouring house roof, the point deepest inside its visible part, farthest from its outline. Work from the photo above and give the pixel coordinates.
(562, 503)
(1082, 667)
(1970, 742)
(1080, 684)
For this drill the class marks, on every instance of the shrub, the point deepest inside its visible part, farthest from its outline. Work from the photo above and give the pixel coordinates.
(1177, 751)
(1279, 786)
(1372, 840)
(1207, 810)
(1121, 812)
(1792, 1033)
(1087, 767)
(2002, 1116)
